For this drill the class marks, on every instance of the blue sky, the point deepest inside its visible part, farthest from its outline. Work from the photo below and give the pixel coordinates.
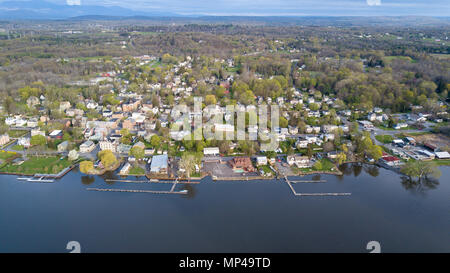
(280, 7)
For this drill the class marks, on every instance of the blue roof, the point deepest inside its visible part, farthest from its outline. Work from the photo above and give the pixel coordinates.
(159, 162)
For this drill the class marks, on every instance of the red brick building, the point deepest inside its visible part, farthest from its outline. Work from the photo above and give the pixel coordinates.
(242, 163)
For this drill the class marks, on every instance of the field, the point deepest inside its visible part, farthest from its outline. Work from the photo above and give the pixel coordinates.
(5, 155)
(136, 171)
(50, 165)
(384, 138)
(16, 133)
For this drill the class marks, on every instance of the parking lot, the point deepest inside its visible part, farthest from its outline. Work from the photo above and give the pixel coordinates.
(223, 170)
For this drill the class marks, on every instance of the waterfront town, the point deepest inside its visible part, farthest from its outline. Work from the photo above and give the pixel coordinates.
(127, 128)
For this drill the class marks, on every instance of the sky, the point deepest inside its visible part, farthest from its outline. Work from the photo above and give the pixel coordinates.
(279, 7)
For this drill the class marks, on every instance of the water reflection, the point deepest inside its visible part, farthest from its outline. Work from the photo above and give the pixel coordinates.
(357, 169)
(372, 170)
(87, 179)
(108, 176)
(419, 186)
(192, 192)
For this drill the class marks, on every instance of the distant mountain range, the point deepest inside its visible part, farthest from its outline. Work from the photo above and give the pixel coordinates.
(39, 9)
(43, 10)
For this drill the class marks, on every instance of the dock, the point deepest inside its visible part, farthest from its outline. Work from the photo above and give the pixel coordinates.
(312, 194)
(308, 181)
(36, 179)
(138, 191)
(151, 181)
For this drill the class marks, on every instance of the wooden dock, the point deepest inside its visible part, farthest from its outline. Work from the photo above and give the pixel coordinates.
(138, 191)
(312, 194)
(150, 181)
(308, 181)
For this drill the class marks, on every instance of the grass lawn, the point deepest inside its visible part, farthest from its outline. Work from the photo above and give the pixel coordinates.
(16, 133)
(136, 171)
(267, 169)
(42, 165)
(384, 138)
(442, 162)
(327, 166)
(17, 148)
(5, 155)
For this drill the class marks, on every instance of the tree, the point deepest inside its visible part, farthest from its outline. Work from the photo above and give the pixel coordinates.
(341, 158)
(137, 152)
(283, 122)
(309, 151)
(73, 155)
(155, 141)
(210, 100)
(107, 158)
(86, 166)
(420, 169)
(38, 140)
(187, 163)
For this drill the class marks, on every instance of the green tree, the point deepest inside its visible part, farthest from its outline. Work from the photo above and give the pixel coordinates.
(420, 169)
(107, 158)
(137, 152)
(155, 141)
(86, 166)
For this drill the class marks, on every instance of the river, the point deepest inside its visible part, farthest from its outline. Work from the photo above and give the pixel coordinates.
(253, 216)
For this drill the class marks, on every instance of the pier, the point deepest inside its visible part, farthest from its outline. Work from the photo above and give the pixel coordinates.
(308, 181)
(36, 179)
(138, 191)
(151, 181)
(312, 194)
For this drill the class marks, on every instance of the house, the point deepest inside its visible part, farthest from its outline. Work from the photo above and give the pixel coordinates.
(430, 146)
(32, 123)
(390, 160)
(125, 169)
(400, 126)
(24, 141)
(442, 155)
(56, 134)
(108, 145)
(87, 147)
(32, 101)
(129, 124)
(332, 155)
(302, 161)
(261, 160)
(410, 141)
(4, 139)
(64, 105)
(37, 132)
(241, 163)
(211, 151)
(140, 144)
(367, 125)
(62, 147)
(123, 149)
(159, 164)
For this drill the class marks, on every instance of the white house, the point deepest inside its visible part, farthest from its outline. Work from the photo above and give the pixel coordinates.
(87, 147)
(261, 160)
(211, 151)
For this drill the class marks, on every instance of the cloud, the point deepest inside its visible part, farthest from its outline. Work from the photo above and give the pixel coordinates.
(73, 2)
(374, 2)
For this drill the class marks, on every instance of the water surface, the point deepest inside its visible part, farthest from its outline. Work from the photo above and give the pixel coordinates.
(253, 216)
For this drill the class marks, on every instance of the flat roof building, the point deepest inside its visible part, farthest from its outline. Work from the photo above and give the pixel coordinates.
(159, 164)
